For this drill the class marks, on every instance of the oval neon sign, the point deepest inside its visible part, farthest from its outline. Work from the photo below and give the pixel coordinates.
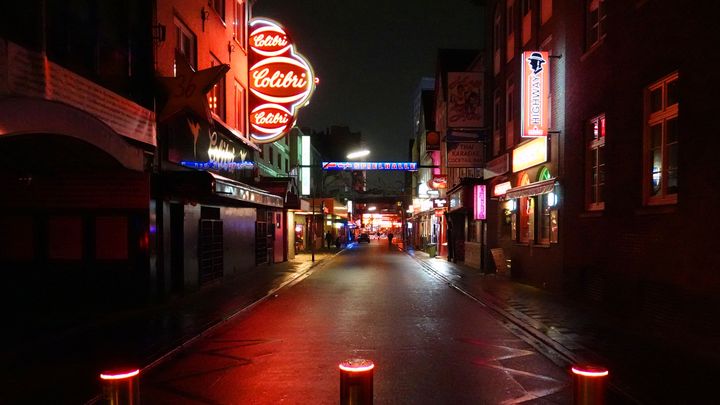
(281, 81)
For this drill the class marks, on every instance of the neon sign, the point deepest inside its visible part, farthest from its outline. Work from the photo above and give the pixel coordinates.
(281, 81)
(479, 209)
(535, 87)
(229, 166)
(411, 166)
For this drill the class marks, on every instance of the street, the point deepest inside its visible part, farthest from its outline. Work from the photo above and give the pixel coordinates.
(429, 343)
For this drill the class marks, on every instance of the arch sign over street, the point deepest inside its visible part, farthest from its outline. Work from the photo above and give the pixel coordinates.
(281, 81)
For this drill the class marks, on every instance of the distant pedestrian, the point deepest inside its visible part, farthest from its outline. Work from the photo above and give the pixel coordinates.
(328, 239)
(389, 236)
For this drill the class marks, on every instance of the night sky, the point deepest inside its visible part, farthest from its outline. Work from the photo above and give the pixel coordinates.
(370, 57)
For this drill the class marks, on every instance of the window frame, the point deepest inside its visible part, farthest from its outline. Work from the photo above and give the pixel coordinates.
(240, 27)
(652, 118)
(218, 6)
(598, 26)
(182, 28)
(595, 144)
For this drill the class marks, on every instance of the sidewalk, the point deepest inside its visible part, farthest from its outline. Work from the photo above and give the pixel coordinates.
(642, 369)
(74, 357)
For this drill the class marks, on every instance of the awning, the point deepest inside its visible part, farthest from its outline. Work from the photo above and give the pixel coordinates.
(206, 186)
(537, 188)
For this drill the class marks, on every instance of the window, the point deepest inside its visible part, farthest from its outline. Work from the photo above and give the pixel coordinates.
(111, 238)
(240, 108)
(594, 22)
(497, 39)
(526, 208)
(185, 43)
(595, 166)
(510, 31)
(545, 205)
(509, 113)
(661, 142)
(526, 8)
(240, 22)
(219, 7)
(545, 10)
(497, 124)
(216, 96)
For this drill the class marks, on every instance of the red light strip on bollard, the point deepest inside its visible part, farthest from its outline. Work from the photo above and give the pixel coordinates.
(359, 368)
(120, 376)
(591, 372)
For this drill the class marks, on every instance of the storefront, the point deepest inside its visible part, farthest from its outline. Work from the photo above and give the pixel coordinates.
(467, 214)
(207, 206)
(525, 208)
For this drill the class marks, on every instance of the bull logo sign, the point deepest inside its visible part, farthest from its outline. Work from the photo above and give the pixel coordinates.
(281, 81)
(535, 88)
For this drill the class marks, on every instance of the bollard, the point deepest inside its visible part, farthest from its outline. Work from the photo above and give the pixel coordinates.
(356, 382)
(589, 384)
(121, 387)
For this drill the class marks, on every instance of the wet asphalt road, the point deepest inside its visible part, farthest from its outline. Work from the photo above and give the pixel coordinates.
(430, 344)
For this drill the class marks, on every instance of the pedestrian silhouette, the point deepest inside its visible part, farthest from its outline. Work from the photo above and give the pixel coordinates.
(328, 239)
(389, 236)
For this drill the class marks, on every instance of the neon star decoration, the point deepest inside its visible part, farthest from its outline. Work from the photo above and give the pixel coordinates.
(281, 81)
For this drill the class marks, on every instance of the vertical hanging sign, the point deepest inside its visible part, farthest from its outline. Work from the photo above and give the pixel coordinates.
(535, 87)
(281, 81)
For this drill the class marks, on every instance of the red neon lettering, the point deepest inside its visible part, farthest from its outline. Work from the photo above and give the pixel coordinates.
(262, 41)
(278, 80)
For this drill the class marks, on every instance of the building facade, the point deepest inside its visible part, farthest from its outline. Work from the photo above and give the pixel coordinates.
(611, 205)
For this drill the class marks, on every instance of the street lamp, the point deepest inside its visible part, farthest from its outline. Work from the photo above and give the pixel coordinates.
(358, 154)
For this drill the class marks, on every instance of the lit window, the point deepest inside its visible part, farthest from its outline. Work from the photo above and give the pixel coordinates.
(661, 142)
(185, 43)
(594, 22)
(595, 178)
(216, 96)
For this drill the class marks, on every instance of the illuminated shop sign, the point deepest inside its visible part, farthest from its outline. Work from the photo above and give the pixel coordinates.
(228, 166)
(439, 181)
(479, 201)
(501, 188)
(440, 202)
(281, 81)
(530, 154)
(535, 87)
(411, 166)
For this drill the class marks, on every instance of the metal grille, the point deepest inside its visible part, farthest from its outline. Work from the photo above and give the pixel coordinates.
(210, 255)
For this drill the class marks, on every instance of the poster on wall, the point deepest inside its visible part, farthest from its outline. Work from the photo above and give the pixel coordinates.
(465, 108)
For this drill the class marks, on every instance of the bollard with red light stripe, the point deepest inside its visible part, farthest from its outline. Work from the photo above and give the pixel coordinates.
(121, 386)
(589, 384)
(356, 382)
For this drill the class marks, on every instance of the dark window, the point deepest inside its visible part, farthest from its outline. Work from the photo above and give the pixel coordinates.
(595, 199)
(594, 22)
(219, 7)
(186, 43)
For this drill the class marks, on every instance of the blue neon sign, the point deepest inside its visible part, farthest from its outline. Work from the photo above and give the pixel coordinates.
(408, 166)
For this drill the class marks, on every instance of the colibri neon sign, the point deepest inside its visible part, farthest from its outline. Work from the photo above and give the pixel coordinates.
(411, 166)
(281, 81)
(535, 87)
